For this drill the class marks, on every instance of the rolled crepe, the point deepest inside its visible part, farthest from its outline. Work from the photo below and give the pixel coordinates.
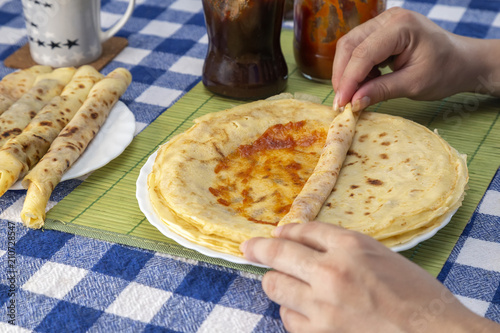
(18, 116)
(320, 184)
(16, 84)
(21, 153)
(70, 144)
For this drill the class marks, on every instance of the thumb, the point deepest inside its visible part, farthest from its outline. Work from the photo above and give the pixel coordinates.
(382, 88)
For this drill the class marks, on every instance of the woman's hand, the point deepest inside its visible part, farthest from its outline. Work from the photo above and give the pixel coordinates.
(329, 279)
(428, 62)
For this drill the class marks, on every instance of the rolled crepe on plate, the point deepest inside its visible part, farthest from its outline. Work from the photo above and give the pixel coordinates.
(70, 144)
(318, 187)
(16, 84)
(235, 174)
(18, 116)
(22, 152)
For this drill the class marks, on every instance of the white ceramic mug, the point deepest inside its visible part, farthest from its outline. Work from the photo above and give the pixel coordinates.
(67, 32)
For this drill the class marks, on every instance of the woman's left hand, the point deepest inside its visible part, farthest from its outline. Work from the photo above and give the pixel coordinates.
(329, 279)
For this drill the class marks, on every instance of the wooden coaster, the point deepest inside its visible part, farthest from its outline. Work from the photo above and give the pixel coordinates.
(22, 58)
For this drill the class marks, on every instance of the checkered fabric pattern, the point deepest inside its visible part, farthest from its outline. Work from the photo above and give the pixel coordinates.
(472, 18)
(472, 272)
(68, 283)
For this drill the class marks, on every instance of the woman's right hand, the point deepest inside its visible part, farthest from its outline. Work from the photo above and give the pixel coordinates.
(428, 62)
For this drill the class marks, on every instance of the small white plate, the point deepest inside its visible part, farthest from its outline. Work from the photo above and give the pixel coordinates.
(114, 136)
(146, 207)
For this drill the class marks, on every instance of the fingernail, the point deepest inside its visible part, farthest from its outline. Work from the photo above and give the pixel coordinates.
(361, 103)
(243, 246)
(336, 99)
(277, 231)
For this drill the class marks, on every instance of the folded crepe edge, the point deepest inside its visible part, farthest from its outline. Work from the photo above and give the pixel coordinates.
(10, 171)
(33, 213)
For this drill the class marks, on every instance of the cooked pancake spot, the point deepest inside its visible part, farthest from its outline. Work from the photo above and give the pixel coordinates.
(283, 210)
(376, 182)
(294, 166)
(385, 143)
(69, 131)
(223, 202)
(14, 131)
(384, 156)
(352, 152)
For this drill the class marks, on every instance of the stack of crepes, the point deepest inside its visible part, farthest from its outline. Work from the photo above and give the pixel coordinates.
(235, 174)
(48, 124)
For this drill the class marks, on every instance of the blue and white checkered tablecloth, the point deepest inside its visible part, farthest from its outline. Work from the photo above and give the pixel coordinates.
(57, 282)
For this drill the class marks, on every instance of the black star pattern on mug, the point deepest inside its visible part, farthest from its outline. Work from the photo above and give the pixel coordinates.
(71, 43)
(40, 43)
(44, 4)
(53, 45)
(33, 25)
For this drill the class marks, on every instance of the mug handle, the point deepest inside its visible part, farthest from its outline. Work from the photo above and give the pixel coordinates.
(105, 35)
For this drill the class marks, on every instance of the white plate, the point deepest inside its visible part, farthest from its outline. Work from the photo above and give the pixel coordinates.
(114, 136)
(146, 207)
(419, 239)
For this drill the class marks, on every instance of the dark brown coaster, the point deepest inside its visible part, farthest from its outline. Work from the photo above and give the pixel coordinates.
(22, 58)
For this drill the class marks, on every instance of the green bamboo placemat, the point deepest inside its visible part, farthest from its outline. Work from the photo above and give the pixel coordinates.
(104, 205)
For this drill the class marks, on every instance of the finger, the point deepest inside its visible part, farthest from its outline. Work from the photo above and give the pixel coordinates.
(316, 235)
(377, 48)
(350, 41)
(283, 255)
(287, 291)
(294, 321)
(382, 88)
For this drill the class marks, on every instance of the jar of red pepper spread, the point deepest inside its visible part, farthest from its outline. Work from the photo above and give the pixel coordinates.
(318, 24)
(244, 58)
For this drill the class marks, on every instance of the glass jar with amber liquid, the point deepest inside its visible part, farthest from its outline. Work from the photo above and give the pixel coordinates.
(244, 58)
(318, 25)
